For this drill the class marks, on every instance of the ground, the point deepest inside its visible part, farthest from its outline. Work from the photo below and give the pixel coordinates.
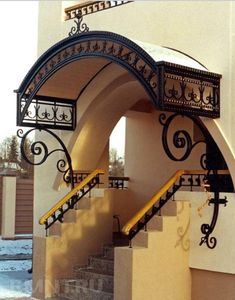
(15, 261)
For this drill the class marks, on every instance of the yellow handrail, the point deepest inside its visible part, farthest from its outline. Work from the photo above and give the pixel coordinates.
(140, 214)
(67, 197)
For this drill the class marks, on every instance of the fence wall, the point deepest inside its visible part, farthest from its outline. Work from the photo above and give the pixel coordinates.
(16, 207)
(24, 206)
(0, 205)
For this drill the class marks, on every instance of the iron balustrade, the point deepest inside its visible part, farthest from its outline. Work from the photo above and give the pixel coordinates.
(79, 176)
(181, 178)
(117, 182)
(56, 213)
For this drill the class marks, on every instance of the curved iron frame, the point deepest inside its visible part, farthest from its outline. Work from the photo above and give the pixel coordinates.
(124, 52)
(40, 148)
(91, 44)
(183, 140)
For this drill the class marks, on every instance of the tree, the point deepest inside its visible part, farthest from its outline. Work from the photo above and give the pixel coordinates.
(13, 151)
(10, 152)
(116, 164)
(4, 148)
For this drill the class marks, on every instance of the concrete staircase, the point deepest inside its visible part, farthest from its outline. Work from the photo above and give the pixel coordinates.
(94, 281)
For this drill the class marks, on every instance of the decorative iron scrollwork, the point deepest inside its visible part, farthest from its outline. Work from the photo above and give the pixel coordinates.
(51, 112)
(181, 140)
(207, 229)
(189, 91)
(80, 27)
(40, 150)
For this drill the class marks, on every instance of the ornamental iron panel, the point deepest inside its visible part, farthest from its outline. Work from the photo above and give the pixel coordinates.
(188, 91)
(49, 112)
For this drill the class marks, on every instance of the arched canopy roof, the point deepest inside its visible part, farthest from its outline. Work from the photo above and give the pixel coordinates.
(58, 78)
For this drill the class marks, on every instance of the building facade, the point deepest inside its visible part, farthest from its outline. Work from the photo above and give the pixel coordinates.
(137, 60)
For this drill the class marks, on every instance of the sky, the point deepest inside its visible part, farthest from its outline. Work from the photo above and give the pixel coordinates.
(18, 52)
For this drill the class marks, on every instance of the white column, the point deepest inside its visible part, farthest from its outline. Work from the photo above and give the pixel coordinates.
(8, 207)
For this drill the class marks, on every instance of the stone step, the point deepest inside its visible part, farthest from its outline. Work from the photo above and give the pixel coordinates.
(169, 209)
(77, 289)
(96, 279)
(101, 263)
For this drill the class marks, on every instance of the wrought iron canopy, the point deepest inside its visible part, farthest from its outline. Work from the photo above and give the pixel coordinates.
(49, 92)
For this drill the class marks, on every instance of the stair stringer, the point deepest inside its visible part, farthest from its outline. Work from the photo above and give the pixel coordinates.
(83, 233)
(157, 266)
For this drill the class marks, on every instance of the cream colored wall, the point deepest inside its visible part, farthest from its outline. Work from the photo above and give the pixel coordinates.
(221, 257)
(146, 162)
(218, 285)
(157, 265)
(50, 24)
(124, 206)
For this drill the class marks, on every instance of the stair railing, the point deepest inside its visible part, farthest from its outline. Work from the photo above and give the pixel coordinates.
(182, 178)
(56, 213)
(117, 182)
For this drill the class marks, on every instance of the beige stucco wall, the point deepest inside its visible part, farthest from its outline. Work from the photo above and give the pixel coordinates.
(218, 285)
(147, 164)
(157, 265)
(221, 258)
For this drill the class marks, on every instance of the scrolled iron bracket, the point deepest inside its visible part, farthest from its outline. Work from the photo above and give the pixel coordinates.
(40, 149)
(207, 229)
(181, 139)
